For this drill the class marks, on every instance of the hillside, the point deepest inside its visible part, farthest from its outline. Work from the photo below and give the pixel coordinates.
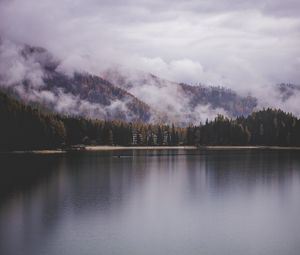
(219, 97)
(78, 94)
(185, 101)
(36, 77)
(24, 127)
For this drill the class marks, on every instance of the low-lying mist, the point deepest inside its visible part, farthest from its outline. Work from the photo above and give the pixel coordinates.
(26, 71)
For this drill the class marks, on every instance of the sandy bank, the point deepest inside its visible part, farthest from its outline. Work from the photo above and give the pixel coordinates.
(58, 151)
(115, 148)
(110, 148)
(247, 148)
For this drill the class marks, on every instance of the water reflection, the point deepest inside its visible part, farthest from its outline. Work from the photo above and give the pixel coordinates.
(151, 202)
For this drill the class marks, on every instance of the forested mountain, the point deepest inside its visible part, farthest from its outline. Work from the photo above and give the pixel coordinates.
(219, 97)
(36, 77)
(191, 102)
(80, 94)
(192, 97)
(136, 96)
(107, 101)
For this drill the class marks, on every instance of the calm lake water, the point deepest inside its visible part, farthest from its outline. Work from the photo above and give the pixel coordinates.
(151, 202)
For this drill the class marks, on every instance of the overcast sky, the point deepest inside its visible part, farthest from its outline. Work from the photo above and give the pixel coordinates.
(236, 43)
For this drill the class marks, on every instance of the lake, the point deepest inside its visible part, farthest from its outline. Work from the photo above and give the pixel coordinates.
(151, 202)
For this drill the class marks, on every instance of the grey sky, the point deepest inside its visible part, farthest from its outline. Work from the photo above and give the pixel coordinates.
(240, 44)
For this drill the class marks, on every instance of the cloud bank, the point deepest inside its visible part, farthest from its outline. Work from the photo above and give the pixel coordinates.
(245, 45)
(235, 43)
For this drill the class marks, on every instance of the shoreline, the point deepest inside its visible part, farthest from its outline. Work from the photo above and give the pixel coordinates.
(118, 148)
(115, 148)
(247, 148)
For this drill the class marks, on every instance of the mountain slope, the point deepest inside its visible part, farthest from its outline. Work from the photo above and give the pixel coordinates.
(37, 77)
(104, 99)
(24, 127)
(219, 97)
(186, 102)
(43, 82)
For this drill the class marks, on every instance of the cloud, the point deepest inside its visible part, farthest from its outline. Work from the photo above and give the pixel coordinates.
(230, 41)
(184, 70)
(244, 45)
(167, 98)
(14, 68)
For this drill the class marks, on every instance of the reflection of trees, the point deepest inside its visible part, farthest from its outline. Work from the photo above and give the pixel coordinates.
(40, 191)
(21, 173)
(26, 199)
(245, 170)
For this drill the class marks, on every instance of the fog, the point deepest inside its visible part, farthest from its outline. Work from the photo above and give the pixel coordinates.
(248, 46)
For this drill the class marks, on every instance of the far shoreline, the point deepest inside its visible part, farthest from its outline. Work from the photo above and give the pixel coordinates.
(115, 148)
(90, 148)
(217, 147)
(231, 147)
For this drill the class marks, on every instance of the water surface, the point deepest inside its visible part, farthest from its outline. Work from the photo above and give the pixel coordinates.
(151, 202)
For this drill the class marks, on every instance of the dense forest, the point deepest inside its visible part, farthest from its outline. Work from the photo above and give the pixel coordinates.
(24, 127)
(268, 127)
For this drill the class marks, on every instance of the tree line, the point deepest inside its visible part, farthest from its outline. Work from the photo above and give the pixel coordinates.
(24, 127)
(268, 127)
